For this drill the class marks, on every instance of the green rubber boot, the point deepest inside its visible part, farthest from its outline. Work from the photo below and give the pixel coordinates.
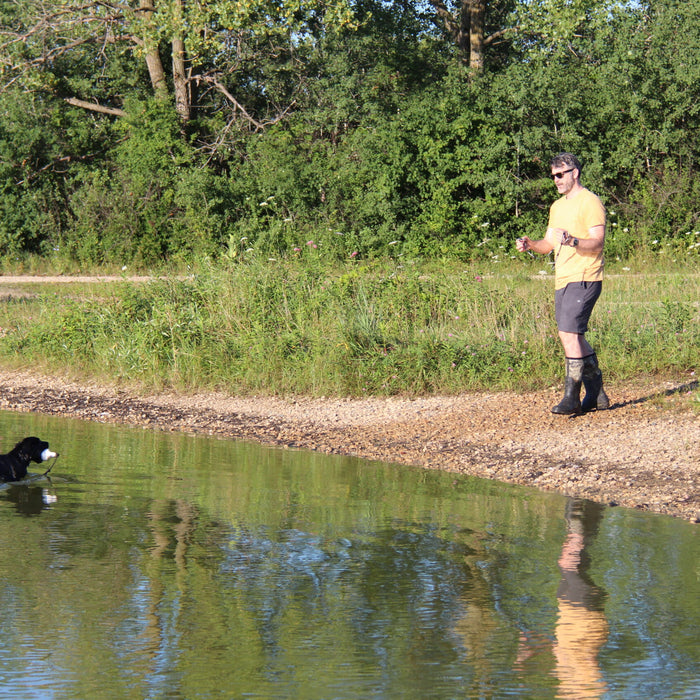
(571, 403)
(595, 399)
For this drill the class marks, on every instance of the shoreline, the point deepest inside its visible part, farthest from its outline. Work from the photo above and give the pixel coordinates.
(644, 452)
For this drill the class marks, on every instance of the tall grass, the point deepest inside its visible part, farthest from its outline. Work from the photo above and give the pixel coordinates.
(381, 328)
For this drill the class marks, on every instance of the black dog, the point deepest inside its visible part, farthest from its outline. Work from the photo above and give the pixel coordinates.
(13, 466)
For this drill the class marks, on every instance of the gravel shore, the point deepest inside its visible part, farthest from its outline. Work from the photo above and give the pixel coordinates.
(642, 453)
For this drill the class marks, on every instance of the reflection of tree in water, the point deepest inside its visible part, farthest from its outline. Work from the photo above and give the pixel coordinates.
(410, 570)
(390, 595)
(484, 631)
(172, 525)
(391, 598)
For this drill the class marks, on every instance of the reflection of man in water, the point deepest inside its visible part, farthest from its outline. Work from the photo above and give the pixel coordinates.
(581, 628)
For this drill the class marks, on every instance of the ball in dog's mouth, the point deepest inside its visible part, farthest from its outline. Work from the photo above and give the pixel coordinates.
(48, 454)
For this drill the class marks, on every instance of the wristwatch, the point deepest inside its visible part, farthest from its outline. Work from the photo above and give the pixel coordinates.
(574, 242)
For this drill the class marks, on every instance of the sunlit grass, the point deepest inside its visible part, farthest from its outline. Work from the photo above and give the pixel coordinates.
(380, 328)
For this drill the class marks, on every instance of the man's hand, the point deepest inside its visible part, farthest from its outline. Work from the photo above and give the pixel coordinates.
(527, 245)
(568, 239)
(523, 244)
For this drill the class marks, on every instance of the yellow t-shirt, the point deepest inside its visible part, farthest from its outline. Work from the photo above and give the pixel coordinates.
(577, 216)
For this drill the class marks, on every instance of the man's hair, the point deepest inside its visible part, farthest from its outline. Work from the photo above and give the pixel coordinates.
(567, 159)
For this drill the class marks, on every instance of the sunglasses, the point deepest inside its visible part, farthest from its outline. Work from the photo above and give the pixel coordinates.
(559, 176)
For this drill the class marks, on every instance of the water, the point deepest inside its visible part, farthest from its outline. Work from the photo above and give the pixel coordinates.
(169, 566)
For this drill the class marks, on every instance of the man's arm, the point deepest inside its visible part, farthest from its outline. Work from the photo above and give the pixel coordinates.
(593, 244)
(543, 245)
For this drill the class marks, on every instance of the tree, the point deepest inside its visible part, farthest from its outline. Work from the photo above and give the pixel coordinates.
(212, 45)
(468, 25)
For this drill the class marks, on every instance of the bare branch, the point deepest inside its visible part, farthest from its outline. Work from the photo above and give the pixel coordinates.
(500, 33)
(259, 125)
(211, 80)
(113, 111)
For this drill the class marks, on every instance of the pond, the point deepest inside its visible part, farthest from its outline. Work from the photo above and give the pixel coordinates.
(159, 565)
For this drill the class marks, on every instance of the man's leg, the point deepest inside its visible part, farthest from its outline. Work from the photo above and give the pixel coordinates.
(571, 403)
(573, 305)
(595, 398)
(575, 345)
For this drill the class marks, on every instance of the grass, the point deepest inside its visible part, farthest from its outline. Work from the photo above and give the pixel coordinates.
(357, 329)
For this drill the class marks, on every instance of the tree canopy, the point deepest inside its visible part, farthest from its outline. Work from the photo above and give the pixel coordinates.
(152, 129)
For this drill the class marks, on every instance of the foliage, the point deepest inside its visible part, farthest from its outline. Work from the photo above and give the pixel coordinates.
(354, 127)
(353, 329)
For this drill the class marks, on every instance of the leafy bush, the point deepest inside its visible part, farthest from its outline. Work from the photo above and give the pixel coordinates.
(388, 144)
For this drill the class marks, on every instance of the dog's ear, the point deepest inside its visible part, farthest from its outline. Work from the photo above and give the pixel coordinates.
(35, 444)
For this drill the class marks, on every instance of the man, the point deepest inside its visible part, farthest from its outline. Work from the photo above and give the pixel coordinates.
(576, 234)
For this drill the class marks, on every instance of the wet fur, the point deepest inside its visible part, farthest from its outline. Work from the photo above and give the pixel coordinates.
(13, 465)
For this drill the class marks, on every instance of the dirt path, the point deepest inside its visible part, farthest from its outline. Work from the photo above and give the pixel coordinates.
(643, 453)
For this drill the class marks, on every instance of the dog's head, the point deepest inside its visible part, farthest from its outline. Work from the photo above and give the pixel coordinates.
(35, 450)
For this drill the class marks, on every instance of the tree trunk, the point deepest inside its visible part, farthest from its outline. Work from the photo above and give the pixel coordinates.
(477, 10)
(463, 36)
(465, 29)
(182, 92)
(153, 62)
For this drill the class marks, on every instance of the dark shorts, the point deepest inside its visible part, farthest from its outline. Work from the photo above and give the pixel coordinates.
(573, 305)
